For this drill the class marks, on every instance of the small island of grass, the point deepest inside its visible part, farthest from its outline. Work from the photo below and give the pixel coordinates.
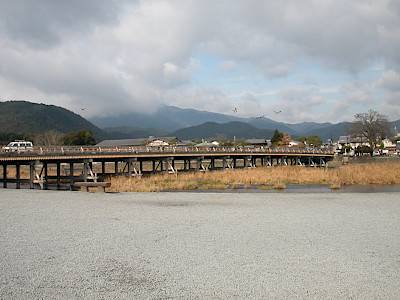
(274, 177)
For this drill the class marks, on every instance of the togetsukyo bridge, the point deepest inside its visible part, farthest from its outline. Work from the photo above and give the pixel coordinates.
(63, 166)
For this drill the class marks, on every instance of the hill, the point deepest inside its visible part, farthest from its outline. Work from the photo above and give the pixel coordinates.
(166, 117)
(23, 116)
(228, 130)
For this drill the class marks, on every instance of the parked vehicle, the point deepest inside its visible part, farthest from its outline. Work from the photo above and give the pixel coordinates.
(18, 146)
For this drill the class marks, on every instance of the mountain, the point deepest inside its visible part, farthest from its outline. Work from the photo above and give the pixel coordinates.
(166, 117)
(303, 128)
(172, 118)
(228, 130)
(333, 131)
(396, 126)
(126, 132)
(265, 123)
(23, 116)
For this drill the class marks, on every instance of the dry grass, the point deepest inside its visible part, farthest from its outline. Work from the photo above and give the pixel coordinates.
(267, 177)
(277, 177)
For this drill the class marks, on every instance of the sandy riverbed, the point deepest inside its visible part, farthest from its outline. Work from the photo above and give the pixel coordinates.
(68, 245)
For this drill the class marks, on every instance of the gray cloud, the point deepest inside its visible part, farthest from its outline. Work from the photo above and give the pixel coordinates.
(42, 24)
(135, 55)
(390, 80)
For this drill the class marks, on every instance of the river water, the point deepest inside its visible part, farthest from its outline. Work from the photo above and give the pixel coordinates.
(290, 188)
(270, 245)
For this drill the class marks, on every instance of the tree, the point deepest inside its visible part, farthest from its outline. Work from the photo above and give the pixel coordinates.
(314, 140)
(79, 138)
(364, 149)
(49, 138)
(277, 137)
(372, 126)
(285, 141)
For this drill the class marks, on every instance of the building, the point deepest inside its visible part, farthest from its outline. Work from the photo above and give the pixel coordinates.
(259, 142)
(354, 142)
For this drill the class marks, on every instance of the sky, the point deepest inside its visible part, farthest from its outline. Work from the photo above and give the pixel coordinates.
(321, 60)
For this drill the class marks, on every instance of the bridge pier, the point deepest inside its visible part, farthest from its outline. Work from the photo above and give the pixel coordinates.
(17, 176)
(31, 175)
(58, 175)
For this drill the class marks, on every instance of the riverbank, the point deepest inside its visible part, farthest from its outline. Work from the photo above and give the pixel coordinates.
(387, 173)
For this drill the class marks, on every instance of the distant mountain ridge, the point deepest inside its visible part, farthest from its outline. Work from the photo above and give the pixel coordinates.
(228, 130)
(24, 116)
(173, 118)
(166, 117)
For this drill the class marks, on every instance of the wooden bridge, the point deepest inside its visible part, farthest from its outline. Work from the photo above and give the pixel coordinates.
(63, 166)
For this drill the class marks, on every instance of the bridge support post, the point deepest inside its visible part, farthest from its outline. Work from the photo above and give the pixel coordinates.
(103, 167)
(5, 176)
(58, 176)
(46, 179)
(129, 167)
(17, 175)
(198, 164)
(71, 175)
(31, 175)
(85, 169)
(116, 167)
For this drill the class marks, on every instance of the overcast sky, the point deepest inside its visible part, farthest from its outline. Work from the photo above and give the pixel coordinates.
(321, 60)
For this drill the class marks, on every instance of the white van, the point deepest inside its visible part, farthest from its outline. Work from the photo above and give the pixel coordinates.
(18, 145)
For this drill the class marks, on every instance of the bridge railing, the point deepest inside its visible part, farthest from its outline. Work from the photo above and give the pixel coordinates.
(76, 150)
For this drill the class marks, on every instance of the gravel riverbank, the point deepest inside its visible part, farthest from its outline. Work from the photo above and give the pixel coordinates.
(69, 245)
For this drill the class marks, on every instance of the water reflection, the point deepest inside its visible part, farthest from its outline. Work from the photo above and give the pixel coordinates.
(303, 188)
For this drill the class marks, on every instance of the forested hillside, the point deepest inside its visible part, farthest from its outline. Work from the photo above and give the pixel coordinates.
(27, 117)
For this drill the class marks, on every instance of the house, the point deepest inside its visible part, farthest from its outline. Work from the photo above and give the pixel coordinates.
(354, 142)
(206, 144)
(259, 142)
(392, 144)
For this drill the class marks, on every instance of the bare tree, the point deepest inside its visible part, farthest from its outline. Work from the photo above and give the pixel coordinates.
(372, 126)
(49, 138)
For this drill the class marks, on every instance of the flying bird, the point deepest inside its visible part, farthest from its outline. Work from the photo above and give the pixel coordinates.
(277, 111)
(82, 108)
(234, 110)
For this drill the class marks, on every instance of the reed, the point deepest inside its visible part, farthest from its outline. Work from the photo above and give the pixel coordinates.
(373, 173)
(277, 177)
